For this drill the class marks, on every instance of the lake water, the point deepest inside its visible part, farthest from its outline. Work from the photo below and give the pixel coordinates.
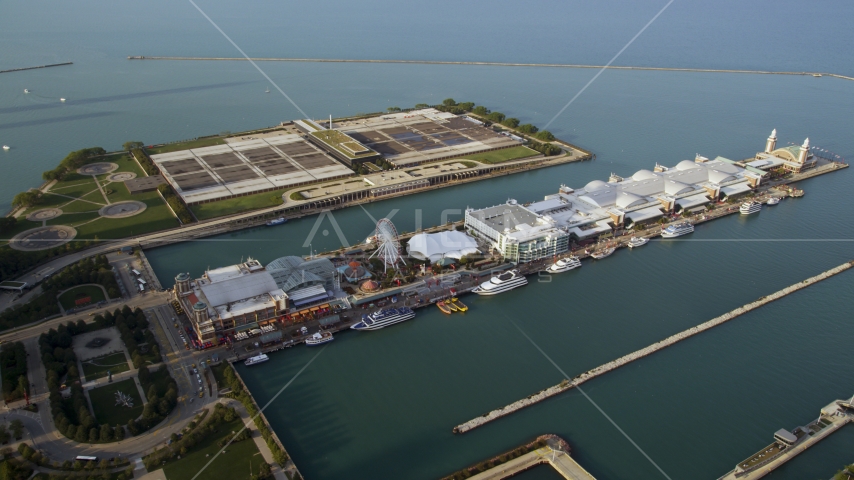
(382, 404)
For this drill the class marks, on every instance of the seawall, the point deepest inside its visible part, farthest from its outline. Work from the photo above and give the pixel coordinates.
(33, 68)
(567, 384)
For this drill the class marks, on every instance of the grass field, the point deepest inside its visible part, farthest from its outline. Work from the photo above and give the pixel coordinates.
(104, 403)
(503, 155)
(205, 211)
(219, 376)
(98, 367)
(174, 147)
(67, 299)
(232, 465)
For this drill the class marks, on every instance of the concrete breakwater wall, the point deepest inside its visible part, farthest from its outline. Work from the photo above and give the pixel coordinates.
(612, 365)
(33, 68)
(491, 64)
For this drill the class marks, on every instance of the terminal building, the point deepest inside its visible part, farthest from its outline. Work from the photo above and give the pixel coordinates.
(523, 233)
(229, 300)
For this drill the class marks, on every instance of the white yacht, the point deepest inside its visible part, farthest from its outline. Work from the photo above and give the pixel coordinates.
(637, 242)
(605, 252)
(256, 359)
(501, 283)
(750, 207)
(564, 265)
(772, 201)
(677, 230)
(6, 147)
(384, 318)
(62, 99)
(26, 90)
(319, 338)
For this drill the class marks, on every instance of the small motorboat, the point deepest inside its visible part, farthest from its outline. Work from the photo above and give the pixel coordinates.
(26, 90)
(62, 99)
(637, 242)
(461, 307)
(267, 91)
(6, 147)
(443, 307)
(772, 201)
(450, 304)
(605, 252)
(319, 338)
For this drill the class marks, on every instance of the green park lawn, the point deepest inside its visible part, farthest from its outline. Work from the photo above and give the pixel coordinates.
(155, 218)
(99, 366)
(233, 464)
(503, 155)
(104, 403)
(68, 298)
(174, 147)
(205, 211)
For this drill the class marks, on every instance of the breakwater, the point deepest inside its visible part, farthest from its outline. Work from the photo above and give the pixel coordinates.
(568, 384)
(33, 68)
(492, 64)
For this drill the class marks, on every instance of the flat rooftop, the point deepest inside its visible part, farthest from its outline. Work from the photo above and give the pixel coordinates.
(260, 163)
(427, 135)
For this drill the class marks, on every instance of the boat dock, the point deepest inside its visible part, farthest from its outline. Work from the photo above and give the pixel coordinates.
(568, 384)
(557, 459)
(832, 418)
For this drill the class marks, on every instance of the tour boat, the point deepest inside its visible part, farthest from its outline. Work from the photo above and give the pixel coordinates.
(319, 338)
(443, 307)
(277, 221)
(677, 230)
(605, 252)
(772, 201)
(384, 318)
(637, 242)
(564, 265)
(256, 359)
(6, 147)
(460, 305)
(501, 283)
(750, 207)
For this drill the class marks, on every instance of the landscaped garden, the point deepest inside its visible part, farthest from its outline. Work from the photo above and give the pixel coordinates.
(105, 407)
(82, 295)
(99, 366)
(503, 155)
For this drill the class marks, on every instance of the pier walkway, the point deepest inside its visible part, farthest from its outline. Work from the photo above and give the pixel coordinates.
(567, 384)
(836, 421)
(557, 459)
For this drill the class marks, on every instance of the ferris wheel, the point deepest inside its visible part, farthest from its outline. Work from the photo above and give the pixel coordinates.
(388, 247)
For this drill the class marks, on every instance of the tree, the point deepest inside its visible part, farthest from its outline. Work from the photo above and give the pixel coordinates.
(466, 106)
(16, 426)
(93, 435)
(496, 117)
(480, 110)
(511, 122)
(421, 105)
(449, 102)
(527, 128)
(128, 146)
(26, 199)
(106, 434)
(4, 435)
(545, 135)
(265, 471)
(120, 433)
(7, 223)
(80, 436)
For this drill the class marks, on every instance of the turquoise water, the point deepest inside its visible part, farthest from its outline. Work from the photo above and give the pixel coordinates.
(382, 404)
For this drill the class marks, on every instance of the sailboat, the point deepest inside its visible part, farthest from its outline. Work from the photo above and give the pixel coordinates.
(268, 90)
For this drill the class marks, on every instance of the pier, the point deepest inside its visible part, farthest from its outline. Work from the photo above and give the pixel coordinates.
(491, 64)
(33, 68)
(832, 418)
(568, 384)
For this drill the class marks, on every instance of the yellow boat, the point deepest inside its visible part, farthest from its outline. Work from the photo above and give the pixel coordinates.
(460, 305)
(450, 305)
(443, 307)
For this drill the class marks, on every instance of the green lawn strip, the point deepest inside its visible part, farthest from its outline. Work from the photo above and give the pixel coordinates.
(219, 376)
(233, 464)
(104, 403)
(205, 211)
(155, 218)
(174, 147)
(118, 192)
(503, 155)
(68, 298)
(21, 225)
(74, 219)
(98, 367)
(77, 188)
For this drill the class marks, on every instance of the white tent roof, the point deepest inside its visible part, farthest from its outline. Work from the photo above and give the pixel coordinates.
(434, 246)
